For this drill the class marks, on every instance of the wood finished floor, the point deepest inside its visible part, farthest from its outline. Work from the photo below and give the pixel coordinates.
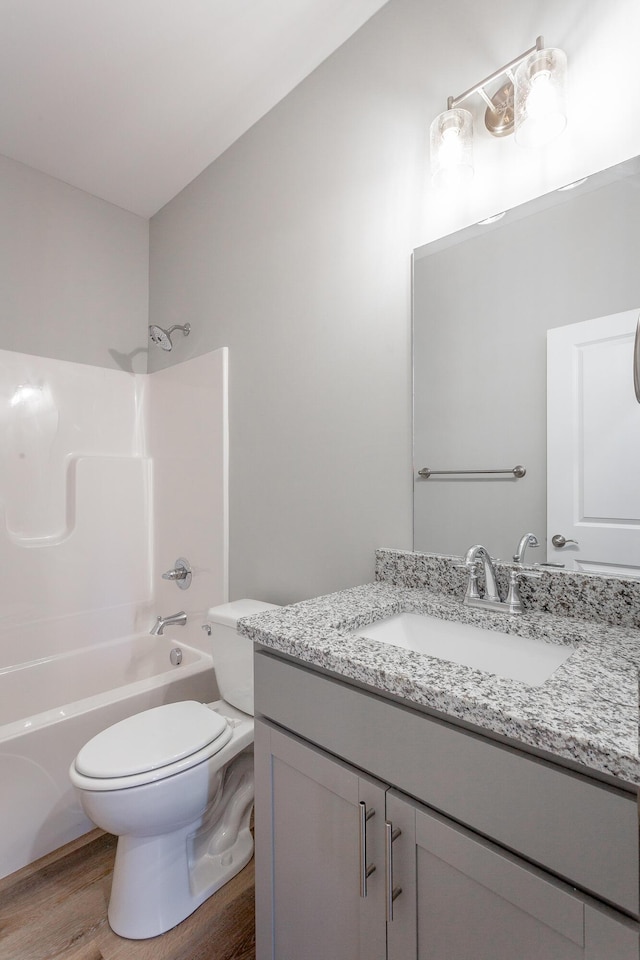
(56, 909)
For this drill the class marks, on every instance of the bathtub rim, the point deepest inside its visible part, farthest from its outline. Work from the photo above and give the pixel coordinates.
(16, 728)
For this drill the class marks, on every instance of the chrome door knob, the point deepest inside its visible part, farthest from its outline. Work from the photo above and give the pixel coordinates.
(559, 541)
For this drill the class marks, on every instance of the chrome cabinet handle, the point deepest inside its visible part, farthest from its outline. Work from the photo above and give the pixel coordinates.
(636, 362)
(366, 869)
(559, 541)
(391, 892)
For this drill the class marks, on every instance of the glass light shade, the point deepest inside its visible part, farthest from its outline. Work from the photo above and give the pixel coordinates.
(540, 98)
(451, 138)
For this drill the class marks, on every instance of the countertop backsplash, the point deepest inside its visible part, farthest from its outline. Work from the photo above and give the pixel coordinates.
(614, 601)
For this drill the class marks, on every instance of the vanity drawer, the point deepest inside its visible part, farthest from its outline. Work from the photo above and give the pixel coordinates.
(584, 831)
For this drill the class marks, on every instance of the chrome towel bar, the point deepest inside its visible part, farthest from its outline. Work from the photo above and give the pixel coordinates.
(426, 472)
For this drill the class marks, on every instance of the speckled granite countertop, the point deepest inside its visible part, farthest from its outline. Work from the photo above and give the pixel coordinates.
(586, 712)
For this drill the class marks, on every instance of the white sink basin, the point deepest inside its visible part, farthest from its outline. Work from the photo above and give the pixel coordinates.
(506, 655)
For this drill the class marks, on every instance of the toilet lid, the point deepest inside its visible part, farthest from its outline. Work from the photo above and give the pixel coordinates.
(152, 739)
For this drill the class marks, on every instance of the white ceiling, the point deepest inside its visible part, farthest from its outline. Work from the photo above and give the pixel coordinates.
(132, 99)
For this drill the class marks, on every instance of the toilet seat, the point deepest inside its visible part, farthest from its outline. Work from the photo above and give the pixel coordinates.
(151, 746)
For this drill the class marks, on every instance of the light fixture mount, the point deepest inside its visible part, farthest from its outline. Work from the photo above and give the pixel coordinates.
(499, 118)
(500, 114)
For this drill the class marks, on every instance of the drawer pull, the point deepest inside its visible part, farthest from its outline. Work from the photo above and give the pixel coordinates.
(391, 892)
(366, 869)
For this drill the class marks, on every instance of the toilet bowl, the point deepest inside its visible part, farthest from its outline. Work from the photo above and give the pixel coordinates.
(175, 784)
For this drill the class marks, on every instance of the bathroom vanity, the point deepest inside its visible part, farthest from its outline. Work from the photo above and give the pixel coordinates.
(410, 807)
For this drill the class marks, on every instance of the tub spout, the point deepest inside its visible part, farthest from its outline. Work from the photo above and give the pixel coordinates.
(177, 619)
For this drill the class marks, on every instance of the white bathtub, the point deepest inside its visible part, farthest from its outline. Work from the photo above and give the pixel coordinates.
(49, 708)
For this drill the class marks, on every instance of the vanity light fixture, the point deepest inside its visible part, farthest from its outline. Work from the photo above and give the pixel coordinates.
(529, 101)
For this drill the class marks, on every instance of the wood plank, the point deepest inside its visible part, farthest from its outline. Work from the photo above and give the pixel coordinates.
(56, 909)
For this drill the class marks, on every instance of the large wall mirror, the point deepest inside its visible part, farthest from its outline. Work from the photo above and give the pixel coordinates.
(519, 325)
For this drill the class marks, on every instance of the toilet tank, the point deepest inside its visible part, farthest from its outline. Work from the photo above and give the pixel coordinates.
(233, 653)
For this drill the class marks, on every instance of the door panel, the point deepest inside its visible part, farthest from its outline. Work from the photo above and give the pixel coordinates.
(593, 446)
(315, 868)
(610, 936)
(314, 857)
(459, 918)
(474, 901)
(505, 876)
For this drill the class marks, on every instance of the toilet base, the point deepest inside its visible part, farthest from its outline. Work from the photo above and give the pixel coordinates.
(159, 881)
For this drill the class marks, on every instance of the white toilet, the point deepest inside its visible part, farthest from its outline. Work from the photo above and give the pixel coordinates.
(175, 784)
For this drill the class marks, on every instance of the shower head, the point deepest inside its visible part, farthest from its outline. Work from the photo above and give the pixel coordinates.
(163, 337)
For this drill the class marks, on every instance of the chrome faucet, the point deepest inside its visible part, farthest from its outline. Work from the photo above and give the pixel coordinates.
(526, 540)
(491, 600)
(474, 555)
(176, 619)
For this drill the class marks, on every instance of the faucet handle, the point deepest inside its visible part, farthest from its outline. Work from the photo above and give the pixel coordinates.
(174, 575)
(181, 574)
(472, 584)
(514, 600)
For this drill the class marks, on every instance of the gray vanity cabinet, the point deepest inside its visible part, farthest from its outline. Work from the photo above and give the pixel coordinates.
(311, 811)
(333, 770)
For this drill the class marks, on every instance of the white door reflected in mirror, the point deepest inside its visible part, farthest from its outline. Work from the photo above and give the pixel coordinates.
(593, 446)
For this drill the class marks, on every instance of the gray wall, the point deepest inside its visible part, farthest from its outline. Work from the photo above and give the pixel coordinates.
(293, 249)
(73, 273)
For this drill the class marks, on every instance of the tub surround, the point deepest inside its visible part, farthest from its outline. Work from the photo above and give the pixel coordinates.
(79, 565)
(82, 567)
(586, 713)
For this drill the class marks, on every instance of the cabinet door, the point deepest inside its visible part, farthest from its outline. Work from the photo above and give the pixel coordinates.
(609, 936)
(314, 844)
(473, 900)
